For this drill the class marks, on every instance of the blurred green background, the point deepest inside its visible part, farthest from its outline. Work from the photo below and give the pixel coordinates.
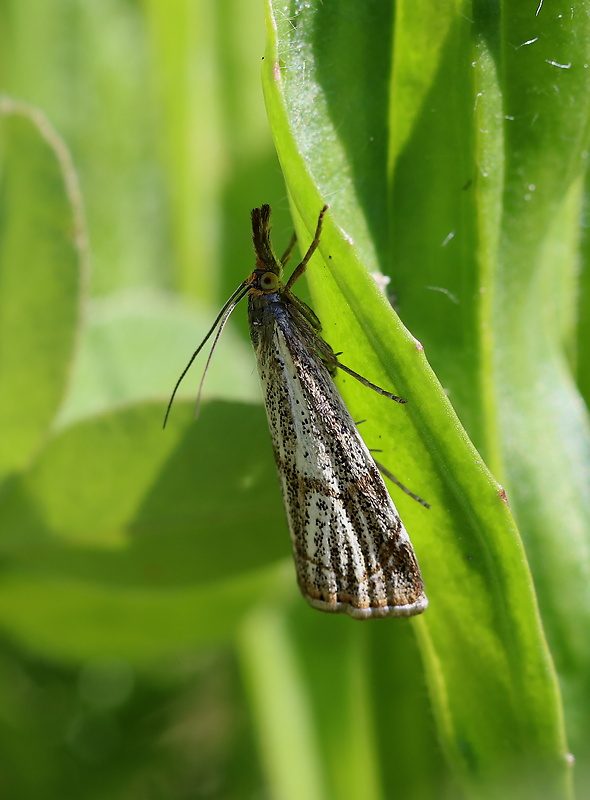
(153, 643)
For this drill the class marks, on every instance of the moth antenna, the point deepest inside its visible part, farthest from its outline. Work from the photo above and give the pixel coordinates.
(221, 320)
(222, 325)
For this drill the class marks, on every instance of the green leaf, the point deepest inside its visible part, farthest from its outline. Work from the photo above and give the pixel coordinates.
(168, 534)
(489, 670)
(73, 621)
(42, 252)
(170, 484)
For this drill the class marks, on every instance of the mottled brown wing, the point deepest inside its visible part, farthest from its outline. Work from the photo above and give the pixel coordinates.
(352, 552)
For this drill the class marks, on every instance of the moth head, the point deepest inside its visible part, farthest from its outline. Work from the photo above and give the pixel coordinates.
(269, 282)
(264, 282)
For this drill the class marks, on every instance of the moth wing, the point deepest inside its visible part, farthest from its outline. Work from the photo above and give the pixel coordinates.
(352, 552)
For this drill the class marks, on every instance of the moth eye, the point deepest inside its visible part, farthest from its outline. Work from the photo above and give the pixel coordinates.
(269, 281)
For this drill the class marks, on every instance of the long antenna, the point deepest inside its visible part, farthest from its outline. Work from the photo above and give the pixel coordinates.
(222, 324)
(222, 318)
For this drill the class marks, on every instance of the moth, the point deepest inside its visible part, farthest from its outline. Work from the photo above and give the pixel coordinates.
(352, 552)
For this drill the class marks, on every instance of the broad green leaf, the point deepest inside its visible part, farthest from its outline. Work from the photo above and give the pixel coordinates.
(149, 522)
(503, 336)
(42, 252)
(489, 670)
(75, 620)
(190, 522)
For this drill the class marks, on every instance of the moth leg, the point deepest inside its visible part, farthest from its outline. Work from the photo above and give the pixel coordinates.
(287, 254)
(368, 384)
(384, 471)
(305, 311)
(331, 361)
(300, 269)
(328, 356)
